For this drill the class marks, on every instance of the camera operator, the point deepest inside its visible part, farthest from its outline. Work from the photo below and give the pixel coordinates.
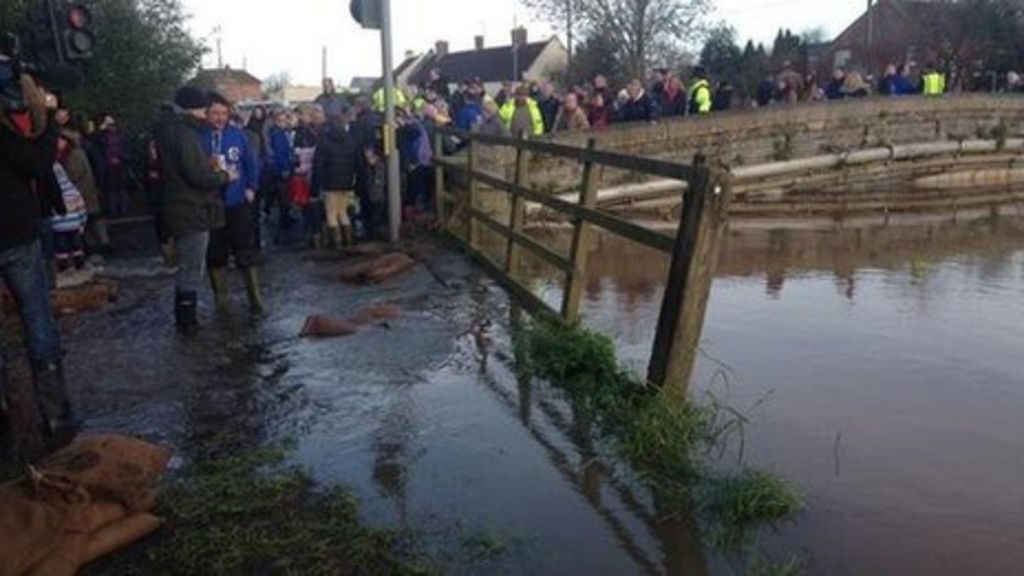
(28, 148)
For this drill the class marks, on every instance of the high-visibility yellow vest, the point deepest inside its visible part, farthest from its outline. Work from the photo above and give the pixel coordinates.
(508, 111)
(934, 84)
(378, 99)
(700, 97)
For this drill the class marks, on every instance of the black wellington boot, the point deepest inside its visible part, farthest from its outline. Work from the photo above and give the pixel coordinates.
(185, 314)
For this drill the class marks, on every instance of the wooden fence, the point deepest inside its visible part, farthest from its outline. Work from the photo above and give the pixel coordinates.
(693, 249)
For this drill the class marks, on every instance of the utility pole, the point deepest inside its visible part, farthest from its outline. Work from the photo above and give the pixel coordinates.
(869, 47)
(568, 28)
(390, 148)
(323, 63)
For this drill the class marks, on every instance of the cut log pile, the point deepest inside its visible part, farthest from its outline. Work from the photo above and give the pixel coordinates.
(80, 504)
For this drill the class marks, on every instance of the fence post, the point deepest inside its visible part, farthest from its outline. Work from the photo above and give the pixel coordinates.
(439, 191)
(582, 238)
(690, 276)
(518, 213)
(472, 226)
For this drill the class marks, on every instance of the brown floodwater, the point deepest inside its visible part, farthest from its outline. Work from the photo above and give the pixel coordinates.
(883, 372)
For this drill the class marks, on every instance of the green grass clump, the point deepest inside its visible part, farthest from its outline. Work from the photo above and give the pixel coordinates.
(661, 435)
(737, 504)
(251, 514)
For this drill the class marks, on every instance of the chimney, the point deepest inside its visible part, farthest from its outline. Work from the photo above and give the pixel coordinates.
(409, 54)
(479, 42)
(441, 48)
(520, 37)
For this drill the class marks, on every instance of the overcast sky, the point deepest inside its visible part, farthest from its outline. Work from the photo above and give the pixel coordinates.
(287, 35)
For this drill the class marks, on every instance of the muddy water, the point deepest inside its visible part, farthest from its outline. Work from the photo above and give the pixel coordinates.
(883, 372)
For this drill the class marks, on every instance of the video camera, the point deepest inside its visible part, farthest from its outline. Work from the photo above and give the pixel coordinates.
(56, 36)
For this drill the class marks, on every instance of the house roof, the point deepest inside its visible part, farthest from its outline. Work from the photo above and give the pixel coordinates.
(490, 64)
(213, 77)
(363, 83)
(903, 18)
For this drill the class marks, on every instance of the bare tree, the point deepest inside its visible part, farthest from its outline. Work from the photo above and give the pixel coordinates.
(276, 83)
(564, 15)
(643, 31)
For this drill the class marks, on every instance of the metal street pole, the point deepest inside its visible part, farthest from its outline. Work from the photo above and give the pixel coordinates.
(390, 148)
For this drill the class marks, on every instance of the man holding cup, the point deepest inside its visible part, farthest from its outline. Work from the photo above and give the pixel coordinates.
(229, 146)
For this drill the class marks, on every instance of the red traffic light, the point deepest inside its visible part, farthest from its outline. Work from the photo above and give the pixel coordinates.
(79, 17)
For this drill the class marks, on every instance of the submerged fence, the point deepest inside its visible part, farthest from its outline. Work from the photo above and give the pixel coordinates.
(693, 249)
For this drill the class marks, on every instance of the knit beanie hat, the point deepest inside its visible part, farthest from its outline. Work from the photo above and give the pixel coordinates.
(190, 98)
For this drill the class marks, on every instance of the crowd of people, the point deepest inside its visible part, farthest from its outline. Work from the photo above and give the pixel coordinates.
(224, 183)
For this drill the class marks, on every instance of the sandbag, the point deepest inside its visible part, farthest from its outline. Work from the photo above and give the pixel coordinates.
(110, 468)
(327, 327)
(379, 269)
(88, 298)
(77, 550)
(377, 313)
(29, 531)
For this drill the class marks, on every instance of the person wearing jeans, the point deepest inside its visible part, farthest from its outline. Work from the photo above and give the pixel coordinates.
(27, 154)
(193, 205)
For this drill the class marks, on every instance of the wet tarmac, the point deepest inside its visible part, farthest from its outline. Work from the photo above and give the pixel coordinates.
(422, 416)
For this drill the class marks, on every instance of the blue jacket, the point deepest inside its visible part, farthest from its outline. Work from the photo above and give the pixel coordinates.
(282, 156)
(470, 115)
(234, 145)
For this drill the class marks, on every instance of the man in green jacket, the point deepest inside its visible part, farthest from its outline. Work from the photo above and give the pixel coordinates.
(700, 92)
(522, 115)
(193, 205)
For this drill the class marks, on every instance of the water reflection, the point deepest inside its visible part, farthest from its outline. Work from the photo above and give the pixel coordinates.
(894, 349)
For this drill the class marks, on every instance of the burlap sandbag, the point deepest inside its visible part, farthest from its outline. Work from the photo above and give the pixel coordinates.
(77, 550)
(29, 531)
(327, 327)
(377, 313)
(110, 468)
(378, 270)
(88, 298)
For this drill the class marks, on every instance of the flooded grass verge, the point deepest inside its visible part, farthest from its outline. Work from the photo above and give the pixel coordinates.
(665, 438)
(251, 513)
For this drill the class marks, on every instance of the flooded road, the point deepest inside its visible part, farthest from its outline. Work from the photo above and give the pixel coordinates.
(883, 372)
(881, 369)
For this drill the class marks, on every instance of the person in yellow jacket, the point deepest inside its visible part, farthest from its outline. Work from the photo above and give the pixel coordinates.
(378, 99)
(933, 82)
(522, 114)
(700, 92)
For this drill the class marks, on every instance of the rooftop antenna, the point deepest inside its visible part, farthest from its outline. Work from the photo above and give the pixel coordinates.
(218, 32)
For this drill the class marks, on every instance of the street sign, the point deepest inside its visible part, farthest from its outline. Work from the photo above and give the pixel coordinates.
(367, 13)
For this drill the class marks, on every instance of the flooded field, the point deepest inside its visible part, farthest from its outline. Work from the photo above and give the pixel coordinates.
(883, 373)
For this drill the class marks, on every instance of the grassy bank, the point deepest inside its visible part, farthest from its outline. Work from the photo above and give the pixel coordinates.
(252, 514)
(662, 436)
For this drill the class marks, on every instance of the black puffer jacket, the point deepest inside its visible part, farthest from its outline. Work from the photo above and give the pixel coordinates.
(337, 160)
(192, 187)
(23, 161)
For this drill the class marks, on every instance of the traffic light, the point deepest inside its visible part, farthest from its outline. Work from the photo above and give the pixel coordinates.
(75, 30)
(367, 13)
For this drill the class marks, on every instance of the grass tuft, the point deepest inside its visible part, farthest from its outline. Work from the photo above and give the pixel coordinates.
(252, 514)
(659, 434)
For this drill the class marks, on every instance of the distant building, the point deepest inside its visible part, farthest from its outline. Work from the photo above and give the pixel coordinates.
(363, 84)
(237, 86)
(295, 95)
(902, 31)
(521, 61)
